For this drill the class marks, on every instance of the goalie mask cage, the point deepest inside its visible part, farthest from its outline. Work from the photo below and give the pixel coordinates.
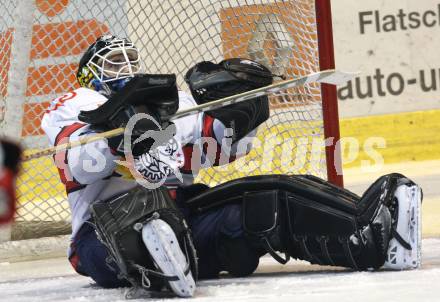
(42, 41)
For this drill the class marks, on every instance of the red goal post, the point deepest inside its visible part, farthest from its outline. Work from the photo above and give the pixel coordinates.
(329, 93)
(41, 42)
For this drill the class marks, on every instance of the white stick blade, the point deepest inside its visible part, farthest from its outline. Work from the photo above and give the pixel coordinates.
(336, 77)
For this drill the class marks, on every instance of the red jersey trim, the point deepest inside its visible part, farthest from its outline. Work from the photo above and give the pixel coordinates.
(64, 136)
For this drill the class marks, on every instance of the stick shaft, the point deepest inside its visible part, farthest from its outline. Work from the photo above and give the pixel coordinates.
(327, 76)
(70, 145)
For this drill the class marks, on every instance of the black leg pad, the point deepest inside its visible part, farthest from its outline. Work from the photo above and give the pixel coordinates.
(308, 218)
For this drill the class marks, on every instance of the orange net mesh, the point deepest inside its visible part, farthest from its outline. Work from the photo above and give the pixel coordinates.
(42, 41)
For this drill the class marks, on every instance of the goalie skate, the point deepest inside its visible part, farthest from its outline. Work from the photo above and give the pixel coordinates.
(164, 248)
(404, 251)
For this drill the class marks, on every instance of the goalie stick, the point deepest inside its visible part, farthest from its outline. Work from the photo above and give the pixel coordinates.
(331, 76)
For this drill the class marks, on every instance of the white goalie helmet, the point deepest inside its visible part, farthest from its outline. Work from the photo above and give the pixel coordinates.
(108, 63)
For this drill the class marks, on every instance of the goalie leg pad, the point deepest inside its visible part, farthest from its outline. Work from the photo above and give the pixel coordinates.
(305, 228)
(120, 221)
(308, 218)
(264, 222)
(288, 213)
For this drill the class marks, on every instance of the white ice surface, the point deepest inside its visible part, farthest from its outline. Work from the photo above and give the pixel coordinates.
(54, 280)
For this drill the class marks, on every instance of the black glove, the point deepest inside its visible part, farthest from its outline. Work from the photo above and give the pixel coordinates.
(209, 82)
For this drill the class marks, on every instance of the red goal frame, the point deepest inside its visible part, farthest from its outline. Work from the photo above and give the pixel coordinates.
(329, 92)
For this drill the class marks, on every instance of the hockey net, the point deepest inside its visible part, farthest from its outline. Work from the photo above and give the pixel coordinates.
(42, 41)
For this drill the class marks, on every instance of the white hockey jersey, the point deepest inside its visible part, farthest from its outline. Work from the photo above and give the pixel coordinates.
(90, 172)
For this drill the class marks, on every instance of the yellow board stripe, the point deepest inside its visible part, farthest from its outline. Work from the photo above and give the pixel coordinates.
(412, 136)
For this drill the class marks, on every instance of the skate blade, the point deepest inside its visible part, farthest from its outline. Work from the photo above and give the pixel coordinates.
(410, 229)
(164, 248)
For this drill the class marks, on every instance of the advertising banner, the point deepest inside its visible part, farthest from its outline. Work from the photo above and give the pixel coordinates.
(395, 46)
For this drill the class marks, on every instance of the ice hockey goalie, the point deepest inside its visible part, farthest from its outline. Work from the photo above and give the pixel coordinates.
(124, 234)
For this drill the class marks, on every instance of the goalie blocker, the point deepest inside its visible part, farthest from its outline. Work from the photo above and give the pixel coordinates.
(308, 218)
(152, 94)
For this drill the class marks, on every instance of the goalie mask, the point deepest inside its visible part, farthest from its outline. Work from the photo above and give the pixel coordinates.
(108, 64)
